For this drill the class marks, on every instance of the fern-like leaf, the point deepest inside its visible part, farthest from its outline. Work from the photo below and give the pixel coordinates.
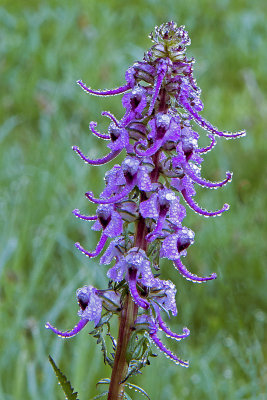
(64, 383)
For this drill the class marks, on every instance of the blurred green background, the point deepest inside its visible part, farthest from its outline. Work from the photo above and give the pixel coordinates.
(45, 47)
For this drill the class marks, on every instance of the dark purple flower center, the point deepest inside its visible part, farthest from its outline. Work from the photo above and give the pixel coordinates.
(135, 101)
(183, 243)
(164, 208)
(132, 272)
(188, 148)
(104, 221)
(104, 215)
(161, 130)
(114, 133)
(83, 300)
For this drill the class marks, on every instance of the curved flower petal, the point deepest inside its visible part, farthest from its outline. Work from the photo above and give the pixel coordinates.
(114, 199)
(162, 68)
(169, 333)
(166, 351)
(133, 290)
(111, 92)
(81, 324)
(92, 126)
(98, 249)
(189, 276)
(207, 125)
(208, 148)
(111, 116)
(99, 161)
(203, 182)
(78, 214)
(199, 210)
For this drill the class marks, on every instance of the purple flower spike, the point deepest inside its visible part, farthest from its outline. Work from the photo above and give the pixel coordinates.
(81, 324)
(139, 207)
(77, 214)
(92, 126)
(111, 92)
(98, 249)
(166, 351)
(208, 148)
(199, 210)
(99, 161)
(189, 276)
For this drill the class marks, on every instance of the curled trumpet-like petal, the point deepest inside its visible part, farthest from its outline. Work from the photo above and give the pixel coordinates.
(111, 92)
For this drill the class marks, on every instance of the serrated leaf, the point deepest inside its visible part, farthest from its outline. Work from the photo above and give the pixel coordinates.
(64, 383)
(100, 395)
(137, 389)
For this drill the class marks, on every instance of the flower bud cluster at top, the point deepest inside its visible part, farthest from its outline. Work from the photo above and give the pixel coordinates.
(161, 166)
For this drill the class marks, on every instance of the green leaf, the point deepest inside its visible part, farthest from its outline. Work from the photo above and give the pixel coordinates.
(104, 381)
(100, 336)
(104, 320)
(100, 395)
(137, 389)
(126, 396)
(65, 384)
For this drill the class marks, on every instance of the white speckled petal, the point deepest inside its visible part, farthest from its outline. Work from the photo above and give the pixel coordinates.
(143, 180)
(150, 208)
(169, 248)
(115, 226)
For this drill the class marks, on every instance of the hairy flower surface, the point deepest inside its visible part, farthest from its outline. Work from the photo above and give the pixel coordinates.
(141, 209)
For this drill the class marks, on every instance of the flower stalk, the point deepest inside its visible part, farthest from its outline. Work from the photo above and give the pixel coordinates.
(126, 323)
(140, 211)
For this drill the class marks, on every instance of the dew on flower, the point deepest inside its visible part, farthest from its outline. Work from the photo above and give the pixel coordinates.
(140, 212)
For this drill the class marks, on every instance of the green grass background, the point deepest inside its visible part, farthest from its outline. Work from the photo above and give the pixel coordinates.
(45, 47)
